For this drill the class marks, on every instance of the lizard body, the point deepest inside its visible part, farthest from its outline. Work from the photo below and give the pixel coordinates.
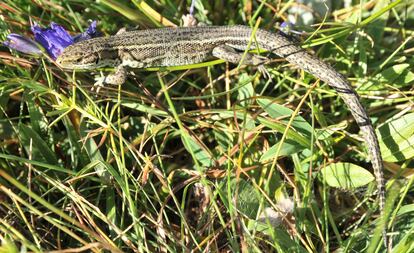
(189, 45)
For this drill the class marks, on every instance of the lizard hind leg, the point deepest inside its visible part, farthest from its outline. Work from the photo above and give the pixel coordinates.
(229, 54)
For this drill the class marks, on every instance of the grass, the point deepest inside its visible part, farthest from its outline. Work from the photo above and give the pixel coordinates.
(210, 157)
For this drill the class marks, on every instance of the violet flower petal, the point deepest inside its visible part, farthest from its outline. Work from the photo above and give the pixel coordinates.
(191, 12)
(286, 27)
(22, 44)
(54, 39)
(90, 33)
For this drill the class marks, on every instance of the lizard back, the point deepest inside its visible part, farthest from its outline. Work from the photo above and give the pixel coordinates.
(161, 47)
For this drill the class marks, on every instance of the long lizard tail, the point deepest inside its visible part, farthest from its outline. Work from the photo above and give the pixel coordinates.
(299, 57)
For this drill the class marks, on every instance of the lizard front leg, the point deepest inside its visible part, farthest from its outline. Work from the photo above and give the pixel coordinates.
(126, 29)
(116, 78)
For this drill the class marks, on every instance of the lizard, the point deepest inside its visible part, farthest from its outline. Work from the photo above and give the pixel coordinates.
(165, 47)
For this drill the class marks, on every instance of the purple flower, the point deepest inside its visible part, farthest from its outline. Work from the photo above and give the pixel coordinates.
(90, 33)
(288, 28)
(22, 44)
(192, 7)
(54, 39)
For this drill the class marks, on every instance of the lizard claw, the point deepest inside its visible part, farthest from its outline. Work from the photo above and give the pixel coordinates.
(262, 69)
(189, 20)
(116, 78)
(99, 83)
(127, 29)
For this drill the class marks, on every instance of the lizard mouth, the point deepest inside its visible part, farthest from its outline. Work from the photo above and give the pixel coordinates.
(62, 63)
(68, 64)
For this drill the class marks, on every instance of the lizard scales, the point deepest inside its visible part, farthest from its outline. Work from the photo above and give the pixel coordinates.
(188, 45)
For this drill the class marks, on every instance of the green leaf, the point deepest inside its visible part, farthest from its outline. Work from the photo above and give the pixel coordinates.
(36, 146)
(289, 147)
(406, 209)
(278, 126)
(247, 200)
(291, 134)
(398, 75)
(143, 108)
(375, 29)
(284, 240)
(325, 133)
(223, 138)
(405, 79)
(6, 129)
(245, 91)
(200, 151)
(277, 111)
(8, 246)
(396, 139)
(346, 175)
(392, 73)
(37, 119)
(95, 156)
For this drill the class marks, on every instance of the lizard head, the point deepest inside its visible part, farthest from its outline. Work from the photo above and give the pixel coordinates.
(78, 56)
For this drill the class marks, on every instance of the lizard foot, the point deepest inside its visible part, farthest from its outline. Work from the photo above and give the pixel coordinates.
(189, 20)
(262, 69)
(99, 83)
(127, 29)
(116, 78)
